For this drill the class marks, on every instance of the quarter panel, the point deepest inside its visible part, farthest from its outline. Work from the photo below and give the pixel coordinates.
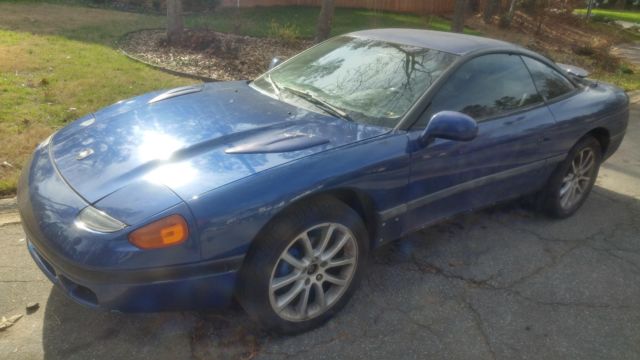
(601, 106)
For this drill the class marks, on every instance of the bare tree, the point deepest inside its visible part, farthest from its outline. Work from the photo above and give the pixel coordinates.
(175, 23)
(458, 16)
(489, 10)
(506, 19)
(512, 9)
(325, 20)
(589, 7)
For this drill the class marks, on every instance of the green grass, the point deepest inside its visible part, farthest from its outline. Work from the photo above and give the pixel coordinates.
(629, 82)
(57, 63)
(631, 16)
(256, 21)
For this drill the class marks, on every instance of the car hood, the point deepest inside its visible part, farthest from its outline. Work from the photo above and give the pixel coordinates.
(192, 139)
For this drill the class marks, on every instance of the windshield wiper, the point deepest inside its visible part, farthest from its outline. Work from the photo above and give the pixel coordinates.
(320, 103)
(274, 85)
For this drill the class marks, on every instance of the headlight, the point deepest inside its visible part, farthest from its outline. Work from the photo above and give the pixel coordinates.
(93, 219)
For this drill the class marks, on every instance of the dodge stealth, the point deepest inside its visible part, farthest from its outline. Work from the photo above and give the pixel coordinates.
(273, 191)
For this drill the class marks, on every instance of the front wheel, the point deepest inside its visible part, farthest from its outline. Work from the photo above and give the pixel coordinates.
(573, 179)
(304, 267)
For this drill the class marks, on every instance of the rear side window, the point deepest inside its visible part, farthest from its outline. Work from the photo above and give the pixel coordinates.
(549, 82)
(486, 87)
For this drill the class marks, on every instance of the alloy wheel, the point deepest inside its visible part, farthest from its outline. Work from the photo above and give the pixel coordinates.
(576, 182)
(313, 272)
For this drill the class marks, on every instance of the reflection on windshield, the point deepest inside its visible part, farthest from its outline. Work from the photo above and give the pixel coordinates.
(375, 82)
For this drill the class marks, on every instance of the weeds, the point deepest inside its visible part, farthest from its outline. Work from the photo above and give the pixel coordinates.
(286, 32)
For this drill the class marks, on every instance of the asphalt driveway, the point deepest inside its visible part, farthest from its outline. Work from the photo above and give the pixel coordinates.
(504, 283)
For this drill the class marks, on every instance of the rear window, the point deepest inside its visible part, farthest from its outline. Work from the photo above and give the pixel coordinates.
(550, 83)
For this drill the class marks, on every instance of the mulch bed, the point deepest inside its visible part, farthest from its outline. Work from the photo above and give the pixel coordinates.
(210, 54)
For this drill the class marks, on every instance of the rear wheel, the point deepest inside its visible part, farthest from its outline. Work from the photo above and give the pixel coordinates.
(572, 181)
(304, 267)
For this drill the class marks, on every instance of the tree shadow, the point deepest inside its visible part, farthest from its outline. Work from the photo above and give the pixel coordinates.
(71, 331)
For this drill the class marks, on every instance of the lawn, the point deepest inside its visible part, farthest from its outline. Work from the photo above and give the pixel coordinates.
(631, 16)
(56, 64)
(257, 21)
(59, 62)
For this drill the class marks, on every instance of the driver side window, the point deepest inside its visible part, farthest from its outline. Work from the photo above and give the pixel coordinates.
(486, 87)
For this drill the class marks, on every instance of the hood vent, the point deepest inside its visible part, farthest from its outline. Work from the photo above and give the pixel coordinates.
(277, 143)
(176, 92)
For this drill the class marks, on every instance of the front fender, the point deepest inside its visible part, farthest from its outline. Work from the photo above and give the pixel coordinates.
(230, 217)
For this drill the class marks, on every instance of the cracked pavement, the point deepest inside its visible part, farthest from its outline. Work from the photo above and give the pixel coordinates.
(503, 283)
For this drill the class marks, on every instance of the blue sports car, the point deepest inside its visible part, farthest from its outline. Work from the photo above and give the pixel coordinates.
(273, 191)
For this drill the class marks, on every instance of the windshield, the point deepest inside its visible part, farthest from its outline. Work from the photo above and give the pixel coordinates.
(372, 81)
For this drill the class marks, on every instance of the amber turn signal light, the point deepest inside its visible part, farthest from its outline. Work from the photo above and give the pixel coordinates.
(170, 231)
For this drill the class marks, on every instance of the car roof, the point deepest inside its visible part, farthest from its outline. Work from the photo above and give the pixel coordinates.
(453, 43)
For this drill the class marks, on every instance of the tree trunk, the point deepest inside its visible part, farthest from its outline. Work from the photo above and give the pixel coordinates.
(458, 16)
(175, 23)
(589, 7)
(489, 10)
(323, 30)
(512, 9)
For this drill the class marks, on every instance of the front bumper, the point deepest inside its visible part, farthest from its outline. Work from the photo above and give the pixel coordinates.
(105, 270)
(185, 287)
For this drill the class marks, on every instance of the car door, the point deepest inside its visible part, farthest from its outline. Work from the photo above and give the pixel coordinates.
(503, 161)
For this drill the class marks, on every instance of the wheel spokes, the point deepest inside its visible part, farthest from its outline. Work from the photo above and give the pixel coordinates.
(306, 244)
(576, 182)
(303, 304)
(289, 296)
(336, 248)
(291, 260)
(566, 186)
(340, 262)
(564, 198)
(587, 161)
(325, 239)
(335, 280)
(318, 292)
(283, 281)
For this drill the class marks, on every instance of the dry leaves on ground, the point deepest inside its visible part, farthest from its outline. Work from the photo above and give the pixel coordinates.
(211, 54)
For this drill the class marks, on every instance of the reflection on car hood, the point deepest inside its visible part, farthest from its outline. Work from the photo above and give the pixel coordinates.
(194, 140)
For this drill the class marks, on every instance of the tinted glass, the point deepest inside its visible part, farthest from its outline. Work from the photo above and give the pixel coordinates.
(374, 81)
(486, 87)
(549, 82)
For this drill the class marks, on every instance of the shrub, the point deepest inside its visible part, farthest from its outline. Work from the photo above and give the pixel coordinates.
(505, 21)
(287, 32)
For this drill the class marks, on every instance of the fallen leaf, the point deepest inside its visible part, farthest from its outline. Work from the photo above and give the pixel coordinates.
(32, 306)
(6, 323)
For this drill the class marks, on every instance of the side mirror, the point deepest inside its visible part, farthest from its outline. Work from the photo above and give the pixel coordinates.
(275, 62)
(450, 125)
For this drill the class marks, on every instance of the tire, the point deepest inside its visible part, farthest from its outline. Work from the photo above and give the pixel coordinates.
(279, 265)
(556, 200)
